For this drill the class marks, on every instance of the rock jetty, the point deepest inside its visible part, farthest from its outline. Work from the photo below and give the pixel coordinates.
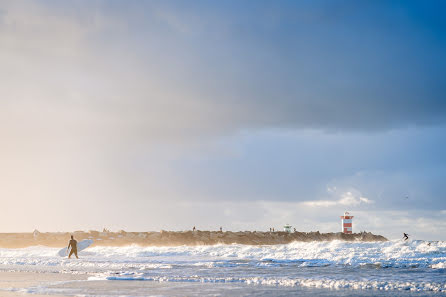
(176, 238)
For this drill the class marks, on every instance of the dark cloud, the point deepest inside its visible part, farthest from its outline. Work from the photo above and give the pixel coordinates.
(220, 68)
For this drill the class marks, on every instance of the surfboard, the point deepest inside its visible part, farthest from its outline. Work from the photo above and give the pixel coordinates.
(81, 245)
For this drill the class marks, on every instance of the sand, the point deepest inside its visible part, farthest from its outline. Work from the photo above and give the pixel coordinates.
(10, 281)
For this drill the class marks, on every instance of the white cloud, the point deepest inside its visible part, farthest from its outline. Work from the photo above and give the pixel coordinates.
(365, 200)
(320, 203)
(346, 199)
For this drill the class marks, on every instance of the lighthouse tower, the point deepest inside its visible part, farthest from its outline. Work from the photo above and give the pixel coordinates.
(347, 223)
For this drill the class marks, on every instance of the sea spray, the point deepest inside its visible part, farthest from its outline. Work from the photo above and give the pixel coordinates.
(391, 265)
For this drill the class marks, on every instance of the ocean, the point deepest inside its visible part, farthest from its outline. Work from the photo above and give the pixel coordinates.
(334, 268)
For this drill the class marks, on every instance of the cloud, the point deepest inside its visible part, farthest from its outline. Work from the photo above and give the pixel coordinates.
(365, 200)
(347, 199)
(143, 73)
(101, 101)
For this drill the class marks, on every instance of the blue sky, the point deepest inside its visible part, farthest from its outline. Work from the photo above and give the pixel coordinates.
(245, 115)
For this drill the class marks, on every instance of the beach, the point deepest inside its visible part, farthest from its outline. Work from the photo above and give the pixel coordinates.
(15, 283)
(222, 148)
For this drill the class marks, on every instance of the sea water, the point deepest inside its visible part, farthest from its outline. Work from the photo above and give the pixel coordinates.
(334, 268)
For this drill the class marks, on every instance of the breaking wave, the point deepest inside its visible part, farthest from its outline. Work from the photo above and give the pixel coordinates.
(392, 265)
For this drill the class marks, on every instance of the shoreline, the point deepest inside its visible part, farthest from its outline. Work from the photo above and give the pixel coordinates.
(177, 238)
(21, 283)
(41, 284)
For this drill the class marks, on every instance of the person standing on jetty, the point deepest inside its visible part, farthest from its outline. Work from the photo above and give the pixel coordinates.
(73, 244)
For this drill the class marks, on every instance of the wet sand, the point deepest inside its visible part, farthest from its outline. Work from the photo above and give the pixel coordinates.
(14, 283)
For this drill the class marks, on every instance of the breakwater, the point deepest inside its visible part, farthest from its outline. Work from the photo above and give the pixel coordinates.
(176, 238)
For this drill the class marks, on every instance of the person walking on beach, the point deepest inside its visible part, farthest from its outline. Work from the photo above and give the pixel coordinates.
(405, 236)
(73, 244)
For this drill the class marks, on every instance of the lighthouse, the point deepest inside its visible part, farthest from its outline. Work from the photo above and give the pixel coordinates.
(347, 223)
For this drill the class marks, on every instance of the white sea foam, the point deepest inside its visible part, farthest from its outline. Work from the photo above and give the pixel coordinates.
(386, 254)
(440, 265)
(279, 265)
(289, 282)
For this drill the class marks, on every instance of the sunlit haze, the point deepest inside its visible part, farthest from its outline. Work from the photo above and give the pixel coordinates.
(150, 115)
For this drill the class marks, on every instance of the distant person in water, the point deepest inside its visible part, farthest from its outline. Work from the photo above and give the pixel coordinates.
(193, 229)
(405, 236)
(73, 244)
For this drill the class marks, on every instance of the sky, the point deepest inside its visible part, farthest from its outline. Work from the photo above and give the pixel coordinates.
(150, 115)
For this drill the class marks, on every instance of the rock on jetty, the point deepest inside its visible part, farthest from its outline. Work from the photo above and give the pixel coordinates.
(176, 238)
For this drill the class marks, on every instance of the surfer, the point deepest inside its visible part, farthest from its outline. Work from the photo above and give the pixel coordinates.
(405, 236)
(73, 244)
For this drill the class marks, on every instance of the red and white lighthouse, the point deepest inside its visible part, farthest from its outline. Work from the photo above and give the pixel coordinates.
(347, 223)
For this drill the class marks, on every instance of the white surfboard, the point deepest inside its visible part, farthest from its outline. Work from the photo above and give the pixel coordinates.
(81, 245)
